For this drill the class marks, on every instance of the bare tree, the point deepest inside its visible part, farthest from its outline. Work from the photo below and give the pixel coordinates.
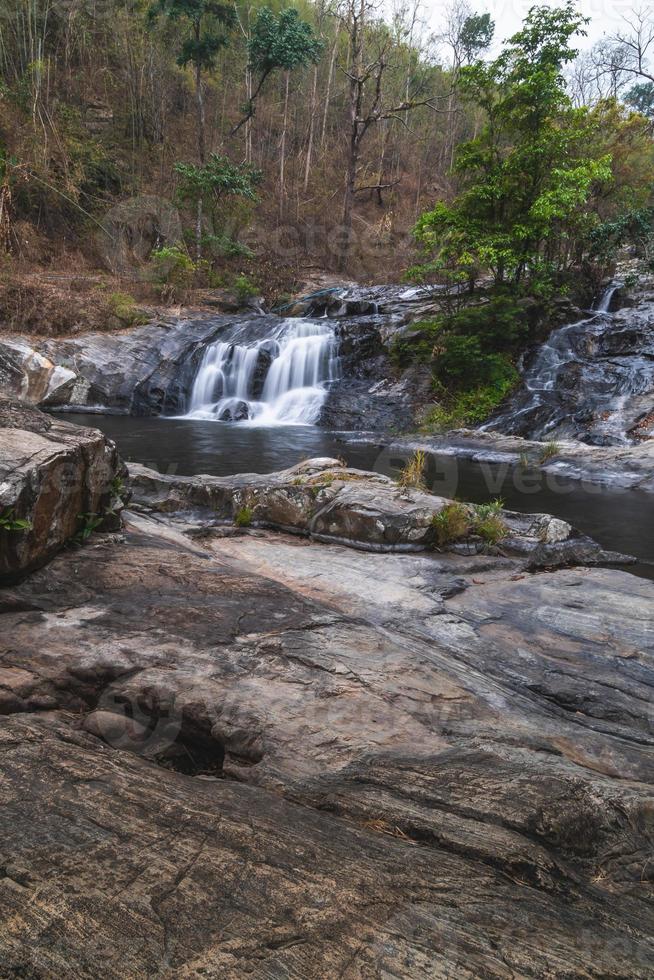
(368, 67)
(618, 60)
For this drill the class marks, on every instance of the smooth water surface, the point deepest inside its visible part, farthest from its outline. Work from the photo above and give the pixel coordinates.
(621, 520)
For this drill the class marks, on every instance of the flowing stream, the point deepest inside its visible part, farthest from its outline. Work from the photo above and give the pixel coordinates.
(281, 379)
(590, 380)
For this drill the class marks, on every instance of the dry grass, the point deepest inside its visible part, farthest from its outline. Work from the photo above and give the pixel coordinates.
(65, 305)
(413, 474)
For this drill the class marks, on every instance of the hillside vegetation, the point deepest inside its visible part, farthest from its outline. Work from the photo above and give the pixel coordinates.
(192, 143)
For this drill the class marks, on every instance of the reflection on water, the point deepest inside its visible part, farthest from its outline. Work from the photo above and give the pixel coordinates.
(619, 520)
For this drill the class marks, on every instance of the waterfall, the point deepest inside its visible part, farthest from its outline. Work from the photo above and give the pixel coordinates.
(604, 303)
(276, 380)
(590, 380)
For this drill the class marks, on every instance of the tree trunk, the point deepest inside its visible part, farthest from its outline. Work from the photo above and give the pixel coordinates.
(312, 123)
(328, 93)
(348, 199)
(201, 127)
(282, 152)
(248, 124)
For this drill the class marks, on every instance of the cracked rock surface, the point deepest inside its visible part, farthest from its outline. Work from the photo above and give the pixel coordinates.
(248, 754)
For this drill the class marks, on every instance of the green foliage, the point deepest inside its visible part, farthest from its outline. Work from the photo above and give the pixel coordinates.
(476, 35)
(470, 407)
(87, 524)
(641, 98)
(218, 178)
(243, 517)
(634, 227)
(488, 524)
(457, 521)
(282, 41)
(244, 288)
(13, 524)
(528, 175)
(451, 524)
(173, 266)
(470, 354)
(209, 23)
(278, 42)
(124, 307)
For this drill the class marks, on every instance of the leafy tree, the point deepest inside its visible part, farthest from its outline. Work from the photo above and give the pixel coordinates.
(278, 42)
(217, 180)
(641, 98)
(208, 23)
(476, 35)
(528, 175)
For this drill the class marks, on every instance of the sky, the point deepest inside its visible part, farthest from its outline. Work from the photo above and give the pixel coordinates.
(606, 15)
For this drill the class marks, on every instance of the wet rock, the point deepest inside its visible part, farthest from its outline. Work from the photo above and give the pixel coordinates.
(593, 380)
(51, 474)
(147, 370)
(236, 411)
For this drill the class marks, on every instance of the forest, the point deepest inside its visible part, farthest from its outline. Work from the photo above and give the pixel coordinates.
(211, 141)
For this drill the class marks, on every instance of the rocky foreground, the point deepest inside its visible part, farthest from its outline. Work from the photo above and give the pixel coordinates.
(236, 751)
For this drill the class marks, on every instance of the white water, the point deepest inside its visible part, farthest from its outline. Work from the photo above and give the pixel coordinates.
(542, 379)
(304, 361)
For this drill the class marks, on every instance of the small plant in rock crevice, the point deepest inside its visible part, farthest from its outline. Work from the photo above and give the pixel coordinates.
(13, 524)
(549, 451)
(457, 521)
(88, 523)
(488, 524)
(243, 517)
(451, 524)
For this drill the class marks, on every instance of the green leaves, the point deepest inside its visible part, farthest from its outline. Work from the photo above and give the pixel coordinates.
(204, 17)
(528, 175)
(219, 177)
(282, 41)
(10, 523)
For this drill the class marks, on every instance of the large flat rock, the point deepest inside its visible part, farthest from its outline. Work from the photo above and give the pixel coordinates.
(251, 755)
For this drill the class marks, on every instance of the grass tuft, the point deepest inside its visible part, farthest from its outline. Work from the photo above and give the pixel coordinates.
(413, 474)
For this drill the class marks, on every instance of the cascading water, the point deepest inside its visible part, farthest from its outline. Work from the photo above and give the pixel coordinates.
(588, 381)
(281, 379)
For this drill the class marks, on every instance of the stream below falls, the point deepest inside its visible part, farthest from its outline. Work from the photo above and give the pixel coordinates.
(621, 520)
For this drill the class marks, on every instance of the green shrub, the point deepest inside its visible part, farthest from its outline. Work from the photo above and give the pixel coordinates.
(487, 523)
(469, 408)
(243, 517)
(173, 266)
(124, 307)
(457, 521)
(244, 288)
(451, 524)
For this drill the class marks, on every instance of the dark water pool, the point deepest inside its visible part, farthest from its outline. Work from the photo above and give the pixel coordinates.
(620, 520)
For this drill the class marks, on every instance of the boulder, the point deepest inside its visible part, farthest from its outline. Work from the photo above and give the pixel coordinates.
(324, 500)
(53, 477)
(236, 411)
